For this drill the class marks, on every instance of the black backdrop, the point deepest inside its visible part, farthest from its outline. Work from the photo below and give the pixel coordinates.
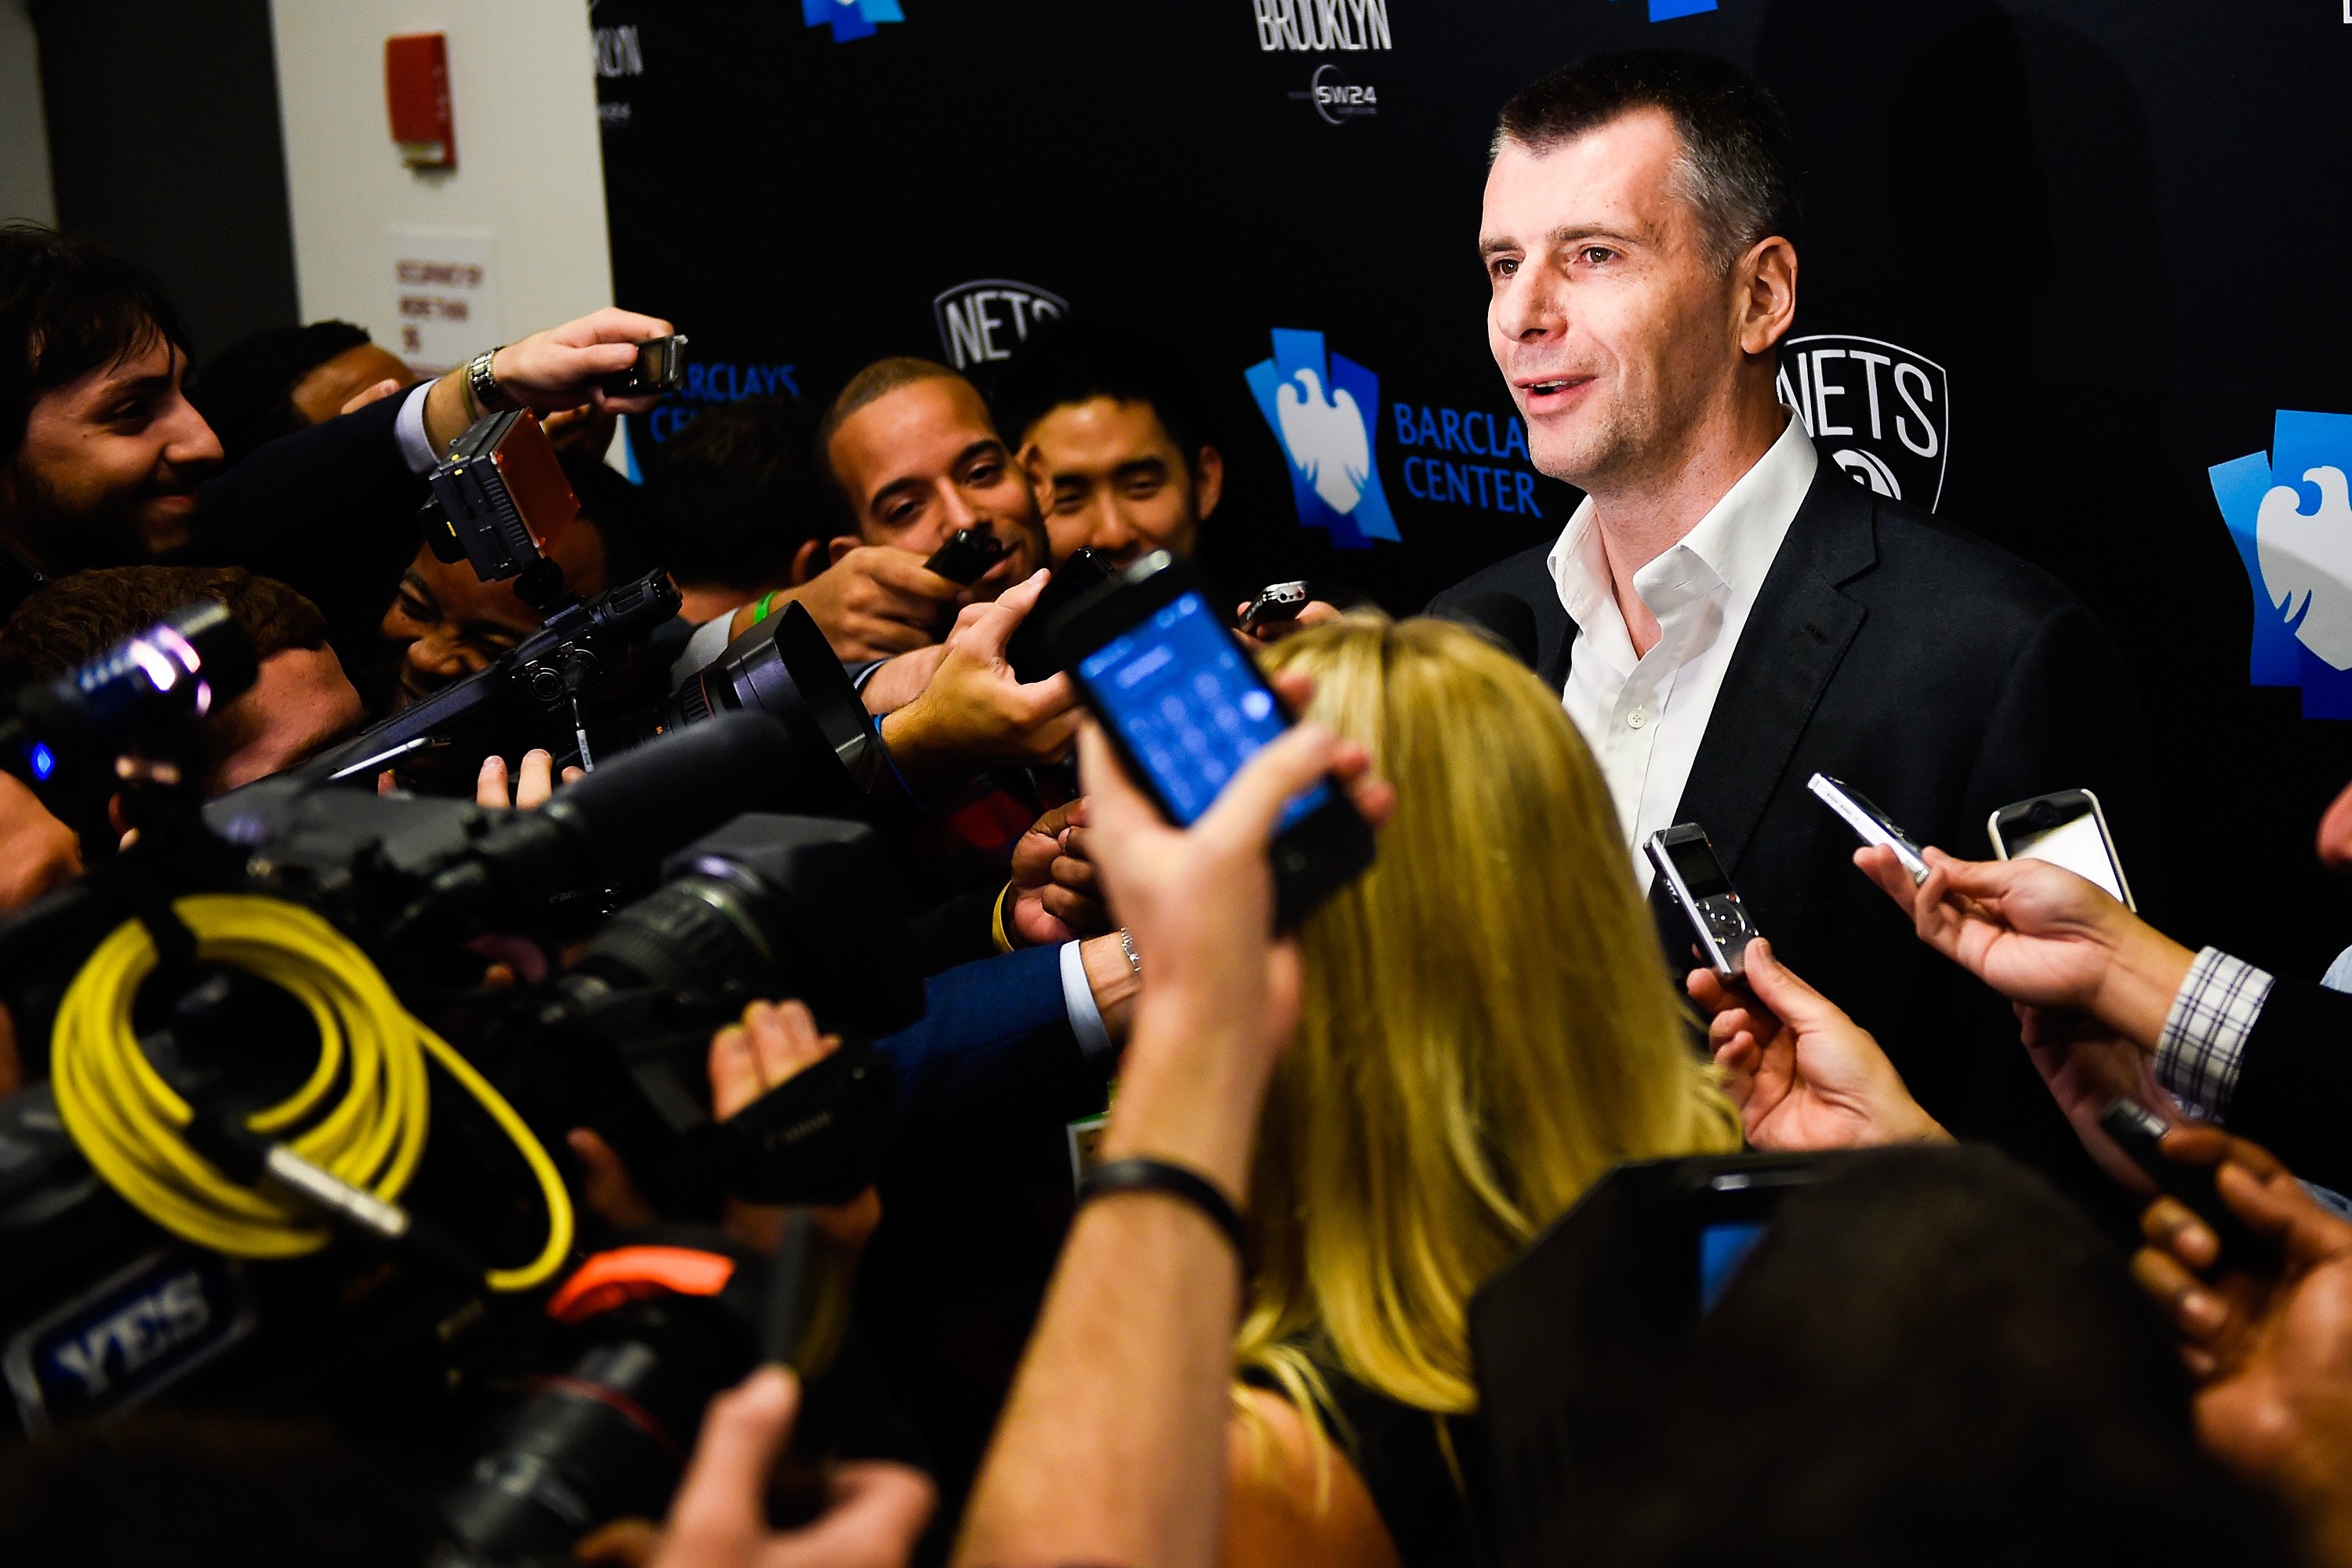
(2107, 235)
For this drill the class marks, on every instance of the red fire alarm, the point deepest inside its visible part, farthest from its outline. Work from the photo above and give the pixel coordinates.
(416, 90)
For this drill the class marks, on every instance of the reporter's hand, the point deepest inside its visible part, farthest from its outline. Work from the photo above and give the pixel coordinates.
(533, 784)
(376, 393)
(557, 368)
(549, 371)
(976, 713)
(2087, 1064)
(2041, 936)
(1314, 613)
(1224, 990)
(1056, 894)
(901, 679)
(872, 601)
(1802, 1074)
(588, 431)
(772, 1042)
(719, 1520)
(37, 852)
(2273, 1350)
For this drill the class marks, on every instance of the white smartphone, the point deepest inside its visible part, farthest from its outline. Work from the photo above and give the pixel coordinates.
(2068, 829)
(1872, 825)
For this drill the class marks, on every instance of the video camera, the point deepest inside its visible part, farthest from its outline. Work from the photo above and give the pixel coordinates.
(499, 499)
(206, 991)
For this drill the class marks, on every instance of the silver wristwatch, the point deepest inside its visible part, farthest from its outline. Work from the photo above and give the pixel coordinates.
(489, 395)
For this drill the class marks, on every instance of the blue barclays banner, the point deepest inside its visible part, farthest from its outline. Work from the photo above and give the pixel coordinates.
(2068, 280)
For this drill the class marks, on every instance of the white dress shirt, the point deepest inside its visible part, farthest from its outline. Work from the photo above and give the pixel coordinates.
(1644, 717)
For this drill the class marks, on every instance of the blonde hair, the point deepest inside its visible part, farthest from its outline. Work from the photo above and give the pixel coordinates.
(1488, 1023)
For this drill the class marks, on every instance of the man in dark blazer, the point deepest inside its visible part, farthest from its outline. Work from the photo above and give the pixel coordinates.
(1745, 615)
(104, 462)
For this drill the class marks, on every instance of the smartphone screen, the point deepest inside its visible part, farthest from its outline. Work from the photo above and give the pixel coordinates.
(1190, 705)
(1701, 872)
(2078, 846)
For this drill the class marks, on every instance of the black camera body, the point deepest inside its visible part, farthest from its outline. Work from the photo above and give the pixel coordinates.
(767, 907)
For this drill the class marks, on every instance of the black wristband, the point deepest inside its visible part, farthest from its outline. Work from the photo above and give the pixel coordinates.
(1144, 1175)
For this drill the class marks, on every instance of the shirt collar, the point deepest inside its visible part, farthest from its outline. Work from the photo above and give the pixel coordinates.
(1733, 545)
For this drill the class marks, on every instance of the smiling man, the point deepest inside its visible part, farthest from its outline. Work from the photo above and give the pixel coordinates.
(103, 452)
(1725, 614)
(912, 459)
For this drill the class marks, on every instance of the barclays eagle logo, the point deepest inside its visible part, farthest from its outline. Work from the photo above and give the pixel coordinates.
(1321, 408)
(2291, 518)
(850, 19)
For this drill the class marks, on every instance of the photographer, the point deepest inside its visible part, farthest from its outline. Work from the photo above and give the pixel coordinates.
(106, 458)
(445, 622)
(299, 703)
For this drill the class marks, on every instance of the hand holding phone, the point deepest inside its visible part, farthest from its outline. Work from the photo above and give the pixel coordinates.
(1184, 706)
(2138, 1131)
(660, 367)
(2067, 829)
(1695, 879)
(967, 557)
(1872, 825)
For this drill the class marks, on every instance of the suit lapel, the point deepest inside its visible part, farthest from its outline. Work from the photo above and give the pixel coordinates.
(1795, 636)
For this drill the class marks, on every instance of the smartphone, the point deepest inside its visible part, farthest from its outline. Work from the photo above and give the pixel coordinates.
(660, 367)
(1183, 701)
(2066, 829)
(1873, 826)
(1275, 603)
(2137, 1131)
(1031, 651)
(967, 557)
(1686, 865)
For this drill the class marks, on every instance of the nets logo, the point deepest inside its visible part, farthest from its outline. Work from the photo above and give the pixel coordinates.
(1319, 25)
(988, 318)
(1335, 99)
(2290, 517)
(1320, 407)
(1878, 411)
(850, 19)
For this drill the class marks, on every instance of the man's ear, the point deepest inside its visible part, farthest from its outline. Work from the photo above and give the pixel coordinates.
(813, 557)
(838, 548)
(1767, 296)
(1208, 481)
(1033, 463)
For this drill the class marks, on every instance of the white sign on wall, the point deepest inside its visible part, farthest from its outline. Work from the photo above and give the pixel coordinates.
(445, 297)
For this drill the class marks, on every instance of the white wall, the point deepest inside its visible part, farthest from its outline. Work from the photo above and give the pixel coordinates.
(529, 164)
(25, 189)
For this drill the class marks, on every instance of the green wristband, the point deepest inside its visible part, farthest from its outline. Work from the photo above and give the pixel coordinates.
(767, 602)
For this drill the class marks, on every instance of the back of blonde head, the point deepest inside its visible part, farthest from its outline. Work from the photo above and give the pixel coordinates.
(1488, 1023)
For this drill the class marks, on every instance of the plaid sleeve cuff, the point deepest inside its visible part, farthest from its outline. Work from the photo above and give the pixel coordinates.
(2199, 1055)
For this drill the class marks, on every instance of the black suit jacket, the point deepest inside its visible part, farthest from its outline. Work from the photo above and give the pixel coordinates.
(2283, 1100)
(1943, 678)
(330, 510)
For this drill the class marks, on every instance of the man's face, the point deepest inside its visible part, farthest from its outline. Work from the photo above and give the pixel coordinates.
(1610, 324)
(445, 622)
(108, 473)
(1118, 483)
(300, 704)
(922, 463)
(320, 395)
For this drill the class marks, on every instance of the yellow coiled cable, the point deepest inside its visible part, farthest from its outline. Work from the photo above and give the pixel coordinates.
(127, 1120)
